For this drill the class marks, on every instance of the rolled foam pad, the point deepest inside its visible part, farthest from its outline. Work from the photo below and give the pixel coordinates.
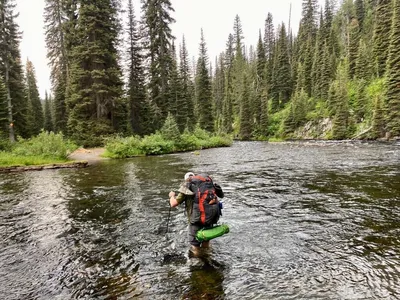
(212, 233)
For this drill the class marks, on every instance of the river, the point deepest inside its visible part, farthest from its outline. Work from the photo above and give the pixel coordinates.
(308, 220)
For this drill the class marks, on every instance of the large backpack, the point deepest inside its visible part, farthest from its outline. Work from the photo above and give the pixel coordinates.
(206, 209)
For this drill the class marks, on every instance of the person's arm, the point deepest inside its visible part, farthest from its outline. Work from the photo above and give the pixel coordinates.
(172, 199)
(218, 190)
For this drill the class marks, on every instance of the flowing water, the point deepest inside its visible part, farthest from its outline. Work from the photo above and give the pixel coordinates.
(307, 220)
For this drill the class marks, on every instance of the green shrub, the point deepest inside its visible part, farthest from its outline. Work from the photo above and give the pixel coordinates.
(217, 141)
(47, 145)
(188, 142)
(117, 147)
(155, 144)
(201, 133)
(5, 144)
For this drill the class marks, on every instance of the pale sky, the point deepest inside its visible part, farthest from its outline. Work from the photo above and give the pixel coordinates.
(214, 16)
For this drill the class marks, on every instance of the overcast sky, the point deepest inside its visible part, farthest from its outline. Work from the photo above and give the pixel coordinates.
(214, 16)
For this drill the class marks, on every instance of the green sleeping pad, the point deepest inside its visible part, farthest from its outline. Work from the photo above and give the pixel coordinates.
(208, 234)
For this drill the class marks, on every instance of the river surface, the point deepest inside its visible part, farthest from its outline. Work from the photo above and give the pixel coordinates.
(307, 221)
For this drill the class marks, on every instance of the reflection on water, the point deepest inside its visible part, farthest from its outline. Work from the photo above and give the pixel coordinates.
(308, 221)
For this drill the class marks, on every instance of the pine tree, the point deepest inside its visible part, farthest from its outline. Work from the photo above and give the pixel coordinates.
(341, 103)
(203, 89)
(55, 35)
(227, 110)
(326, 73)
(259, 82)
(96, 103)
(34, 103)
(289, 123)
(393, 75)
(282, 88)
(381, 36)
(360, 12)
(269, 43)
(239, 64)
(11, 70)
(318, 59)
(219, 89)
(306, 39)
(185, 114)
(157, 21)
(245, 112)
(354, 41)
(378, 119)
(174, 84)
(363, 68)
(48, 122)
(136, 86)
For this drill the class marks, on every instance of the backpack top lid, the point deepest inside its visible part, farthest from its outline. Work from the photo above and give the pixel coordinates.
(200, 178)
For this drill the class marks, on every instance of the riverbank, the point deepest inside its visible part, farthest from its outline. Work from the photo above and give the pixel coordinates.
(71, 164)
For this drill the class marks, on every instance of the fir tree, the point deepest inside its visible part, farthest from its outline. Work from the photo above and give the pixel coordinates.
(326, 73)
(227, 110)
(363, 68)
(378, 118)
(174, 84)
(35, 113)
(393, 75)
(360, 12)
(341, 103)
(157, 19)
(136, 86)
(239, 65)
(48, 122)
(260, 81)
(219, 89)
(289, 123)
(185, 114)
(203, 89)
(282, 88)
(381, 36)
(316, 72)
(306, 39)
(55, 20)
(96, 103)
(245, 113)
(269, 43)
(354, 41)
(11, 70)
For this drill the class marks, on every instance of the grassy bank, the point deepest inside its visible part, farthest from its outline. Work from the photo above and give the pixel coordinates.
(163, 143)
(46, 148)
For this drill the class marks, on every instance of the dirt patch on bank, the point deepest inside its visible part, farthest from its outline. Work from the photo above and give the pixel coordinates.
(89, 155)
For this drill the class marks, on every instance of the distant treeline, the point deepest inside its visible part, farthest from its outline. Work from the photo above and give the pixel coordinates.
(343, 65)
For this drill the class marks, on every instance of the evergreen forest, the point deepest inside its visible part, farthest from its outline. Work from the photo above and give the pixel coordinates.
(123, 72)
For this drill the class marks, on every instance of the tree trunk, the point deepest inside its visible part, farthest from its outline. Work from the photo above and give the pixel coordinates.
(10, 116)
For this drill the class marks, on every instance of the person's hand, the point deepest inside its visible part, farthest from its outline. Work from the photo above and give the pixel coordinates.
(171, 194)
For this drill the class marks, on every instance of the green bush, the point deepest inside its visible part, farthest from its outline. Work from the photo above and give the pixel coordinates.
(46, 145)
(155, 144)
(117, 147)
(201, 134)
(5, 144)
(188, 142)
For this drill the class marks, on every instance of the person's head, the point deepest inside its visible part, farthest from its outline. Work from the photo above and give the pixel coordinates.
(188, 175)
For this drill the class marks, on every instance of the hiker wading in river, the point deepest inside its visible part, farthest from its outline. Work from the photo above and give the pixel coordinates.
(203, 208)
